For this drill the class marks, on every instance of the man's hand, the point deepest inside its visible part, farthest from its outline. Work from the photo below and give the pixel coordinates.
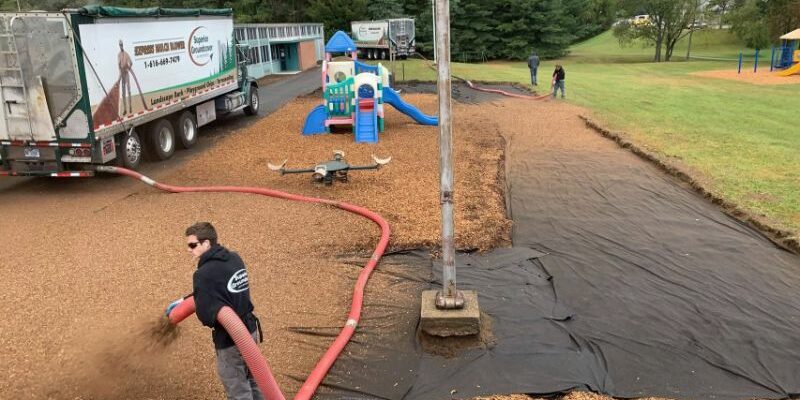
(173, 305)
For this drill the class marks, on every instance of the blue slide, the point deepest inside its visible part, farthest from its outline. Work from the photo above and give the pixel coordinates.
(393, 98)
(366, 122)
(315, 121)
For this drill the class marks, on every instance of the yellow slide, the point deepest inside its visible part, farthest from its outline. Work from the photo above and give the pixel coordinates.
(794, 69)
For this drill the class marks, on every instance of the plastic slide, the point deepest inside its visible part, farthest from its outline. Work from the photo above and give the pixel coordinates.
(794, 69)
(366, 125)
(393, 98)
(315, 121)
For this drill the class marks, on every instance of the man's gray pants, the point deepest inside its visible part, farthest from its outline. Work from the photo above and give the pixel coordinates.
(559, 85)
(533, 75)
(235, 376)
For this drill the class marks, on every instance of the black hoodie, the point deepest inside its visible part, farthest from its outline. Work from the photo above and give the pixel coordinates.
(221, 280)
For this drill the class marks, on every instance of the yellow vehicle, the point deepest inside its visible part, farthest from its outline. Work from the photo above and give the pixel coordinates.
(639, 20)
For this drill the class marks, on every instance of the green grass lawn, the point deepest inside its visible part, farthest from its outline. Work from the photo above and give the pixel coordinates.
(743, 138)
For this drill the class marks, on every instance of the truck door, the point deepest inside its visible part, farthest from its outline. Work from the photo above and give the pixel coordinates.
(38, 82)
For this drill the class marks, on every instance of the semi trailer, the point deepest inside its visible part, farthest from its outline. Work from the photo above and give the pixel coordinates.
(107, 85)
(384, 39)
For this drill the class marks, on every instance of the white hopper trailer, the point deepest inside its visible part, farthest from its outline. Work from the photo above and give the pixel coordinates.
(376, 39)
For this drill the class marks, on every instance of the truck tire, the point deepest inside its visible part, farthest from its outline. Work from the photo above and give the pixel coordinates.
(252, 102)
(129, 150)
(186, 129)
(161, 138)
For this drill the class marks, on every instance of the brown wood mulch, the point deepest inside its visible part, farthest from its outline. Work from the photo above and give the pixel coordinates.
(89, 265)
(762, 77)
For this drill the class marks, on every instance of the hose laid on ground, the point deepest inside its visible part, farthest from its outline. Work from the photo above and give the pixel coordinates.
(509, 94)
(483, 89)
(186, 308)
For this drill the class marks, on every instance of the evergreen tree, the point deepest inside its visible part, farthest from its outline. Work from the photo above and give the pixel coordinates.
(336, 14)
(382, 9)
(421, 11)
(475, 35)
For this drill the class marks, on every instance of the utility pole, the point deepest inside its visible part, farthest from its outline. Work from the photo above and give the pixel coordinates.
(447, 312)
(433, 15)
(449, 297)
(691, 30)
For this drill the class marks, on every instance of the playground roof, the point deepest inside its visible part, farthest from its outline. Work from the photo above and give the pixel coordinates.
(793, 35)
(340, 43)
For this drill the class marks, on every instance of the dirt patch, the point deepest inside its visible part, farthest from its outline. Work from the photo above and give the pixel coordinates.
(763, 77)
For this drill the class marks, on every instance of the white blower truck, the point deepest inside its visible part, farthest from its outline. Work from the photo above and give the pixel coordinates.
(384, 39)
(106, 85)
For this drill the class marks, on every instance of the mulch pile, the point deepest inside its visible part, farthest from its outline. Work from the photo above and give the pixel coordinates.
(89, 265)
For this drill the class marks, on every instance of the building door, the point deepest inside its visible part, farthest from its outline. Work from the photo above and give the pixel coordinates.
(282, 55)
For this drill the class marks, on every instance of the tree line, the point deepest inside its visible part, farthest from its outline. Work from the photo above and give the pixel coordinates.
(507, 29)
(495, 29)
(759, 23)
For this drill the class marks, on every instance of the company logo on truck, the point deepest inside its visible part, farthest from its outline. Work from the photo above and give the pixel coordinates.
(200, 49)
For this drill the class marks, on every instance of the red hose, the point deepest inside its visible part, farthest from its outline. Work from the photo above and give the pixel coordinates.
(252, 356)
(186, 307)
(498, 91)
(182, 311)
(504, 93)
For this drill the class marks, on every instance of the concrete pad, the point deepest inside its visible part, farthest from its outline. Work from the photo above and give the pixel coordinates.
(463, 322)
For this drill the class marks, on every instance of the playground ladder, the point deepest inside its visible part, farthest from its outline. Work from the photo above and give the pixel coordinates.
(12, 82)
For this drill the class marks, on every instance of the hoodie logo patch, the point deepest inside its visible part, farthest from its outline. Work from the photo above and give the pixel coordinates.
(238, 282)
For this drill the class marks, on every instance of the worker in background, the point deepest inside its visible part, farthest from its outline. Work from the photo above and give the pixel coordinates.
(533, 65)
(558, 81)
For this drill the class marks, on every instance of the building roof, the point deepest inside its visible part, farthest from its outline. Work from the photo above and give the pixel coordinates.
(340, 43)
(793, 35)
(98, 11)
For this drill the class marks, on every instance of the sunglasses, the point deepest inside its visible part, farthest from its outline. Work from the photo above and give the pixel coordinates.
(192, 245)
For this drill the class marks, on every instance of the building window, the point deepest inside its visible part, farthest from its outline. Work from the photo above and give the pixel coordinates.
(239, 34)
(264, 53)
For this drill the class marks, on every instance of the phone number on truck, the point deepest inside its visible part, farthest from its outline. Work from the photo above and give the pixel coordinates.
(162, 61)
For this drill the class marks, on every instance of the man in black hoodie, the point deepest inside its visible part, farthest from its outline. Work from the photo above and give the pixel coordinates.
(558, 80)
(221, 280)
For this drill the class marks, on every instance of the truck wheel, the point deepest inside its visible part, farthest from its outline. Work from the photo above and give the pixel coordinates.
(162, 139)
(252, 104)
(186, 126)
(129, 150)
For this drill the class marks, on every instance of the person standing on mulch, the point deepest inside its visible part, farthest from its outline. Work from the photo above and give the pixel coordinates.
(533, 65)
(558, 81)
(221, 280)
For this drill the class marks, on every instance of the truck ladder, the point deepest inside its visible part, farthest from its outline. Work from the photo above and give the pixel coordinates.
(11, 79)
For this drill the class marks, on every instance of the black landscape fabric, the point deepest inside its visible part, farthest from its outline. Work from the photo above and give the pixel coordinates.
(621, 281)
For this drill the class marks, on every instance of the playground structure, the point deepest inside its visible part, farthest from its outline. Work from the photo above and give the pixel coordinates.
(789, 58)
(354, 93)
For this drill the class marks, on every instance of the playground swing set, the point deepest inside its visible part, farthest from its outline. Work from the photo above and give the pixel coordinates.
(784, 58)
